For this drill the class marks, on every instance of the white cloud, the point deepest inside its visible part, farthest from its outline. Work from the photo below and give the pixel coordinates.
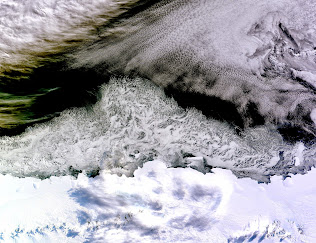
(158, 204)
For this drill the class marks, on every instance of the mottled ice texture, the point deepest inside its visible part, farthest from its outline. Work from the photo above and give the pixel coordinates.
(313, 115)
(248, 52)
(158, 205)
(256, 54)
(135, 122)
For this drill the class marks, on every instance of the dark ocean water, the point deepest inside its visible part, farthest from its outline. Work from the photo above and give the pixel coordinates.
(249, 72)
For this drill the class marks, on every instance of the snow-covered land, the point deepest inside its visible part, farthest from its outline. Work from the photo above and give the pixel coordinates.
(158, 204)
(136, 166)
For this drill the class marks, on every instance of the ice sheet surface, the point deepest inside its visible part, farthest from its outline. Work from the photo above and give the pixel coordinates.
(158, 205)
